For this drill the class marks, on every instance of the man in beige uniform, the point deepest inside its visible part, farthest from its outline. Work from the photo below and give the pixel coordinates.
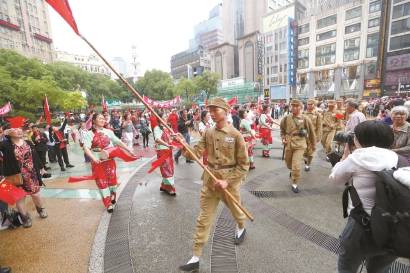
(228, 161)
(316, 119)
(297, 134)
(330, 124)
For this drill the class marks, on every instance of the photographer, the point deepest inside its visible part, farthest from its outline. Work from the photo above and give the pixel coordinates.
(372, 141)
(183, 123)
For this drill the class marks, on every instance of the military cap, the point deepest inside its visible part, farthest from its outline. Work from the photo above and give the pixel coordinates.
(219, 102)
(331, 102)
(311, 101)
(296, 102)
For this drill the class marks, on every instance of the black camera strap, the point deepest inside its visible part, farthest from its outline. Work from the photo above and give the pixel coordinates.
(358, 213)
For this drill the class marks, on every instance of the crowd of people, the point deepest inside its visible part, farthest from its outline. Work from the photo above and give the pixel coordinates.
(379, 129)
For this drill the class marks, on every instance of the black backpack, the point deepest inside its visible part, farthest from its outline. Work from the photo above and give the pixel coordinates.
(389, 222)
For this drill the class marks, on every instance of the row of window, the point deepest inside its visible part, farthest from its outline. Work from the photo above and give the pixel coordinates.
(326, 54)
(400, 27)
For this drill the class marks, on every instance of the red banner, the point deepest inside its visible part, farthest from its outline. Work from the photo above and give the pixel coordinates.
(63, 8)
(46, 109)
(5, 109)
(163, 104)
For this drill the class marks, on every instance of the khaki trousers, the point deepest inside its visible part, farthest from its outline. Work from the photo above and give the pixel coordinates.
(209, 201)
(293, 159)
(327, 139)
(308, 155)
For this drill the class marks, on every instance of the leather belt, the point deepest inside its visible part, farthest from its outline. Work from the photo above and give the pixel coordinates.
(220, 167)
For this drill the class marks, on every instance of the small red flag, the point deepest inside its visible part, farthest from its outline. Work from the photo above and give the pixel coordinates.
(233, 101)
(63, 8)
(46, 109)
(9, 193)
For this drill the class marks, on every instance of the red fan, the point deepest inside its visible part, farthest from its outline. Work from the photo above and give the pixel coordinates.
(16, 122)
(339, 116)
(10, 194)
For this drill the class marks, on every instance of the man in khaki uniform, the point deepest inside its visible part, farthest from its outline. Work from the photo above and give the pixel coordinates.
(228, 161)
(316, 119)
(340, 109)
(330, 124)
(297, 134)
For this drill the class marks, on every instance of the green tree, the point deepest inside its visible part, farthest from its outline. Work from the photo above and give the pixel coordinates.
(73, 101)
(186, 89)
(208, 82)
(7, 86)
(156, 84)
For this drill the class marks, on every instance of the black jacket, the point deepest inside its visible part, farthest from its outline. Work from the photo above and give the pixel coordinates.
(10, 163)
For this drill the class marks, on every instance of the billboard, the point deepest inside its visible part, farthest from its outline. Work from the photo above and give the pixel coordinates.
(292, 51)
(398, 62)
(278, 19)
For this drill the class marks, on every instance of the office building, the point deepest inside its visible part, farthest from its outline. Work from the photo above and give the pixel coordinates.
(90, 63)
(25, 28)
(190, 63)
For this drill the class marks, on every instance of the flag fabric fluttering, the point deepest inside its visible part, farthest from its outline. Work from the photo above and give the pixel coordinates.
(46, 109)
(104, 104)
(62, 7)
(233, 101)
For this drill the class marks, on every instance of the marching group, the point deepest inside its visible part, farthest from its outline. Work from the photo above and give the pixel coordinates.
(228, 135)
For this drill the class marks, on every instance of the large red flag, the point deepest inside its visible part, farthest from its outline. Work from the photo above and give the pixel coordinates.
(63, 8)
(46, 109)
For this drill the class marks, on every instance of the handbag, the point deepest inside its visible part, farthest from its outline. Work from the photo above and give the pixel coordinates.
(15, 179)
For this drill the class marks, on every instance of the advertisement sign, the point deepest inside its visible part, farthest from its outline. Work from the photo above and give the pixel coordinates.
(397, 77)
(398, 62)
(232, 82)
(292, 47)
(259, 54)
(277, 19)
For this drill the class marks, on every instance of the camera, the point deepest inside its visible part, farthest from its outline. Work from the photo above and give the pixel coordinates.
(345, 138)
(302, 132)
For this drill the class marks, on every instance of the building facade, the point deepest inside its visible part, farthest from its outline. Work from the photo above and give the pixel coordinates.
(90, 63)
(338, 50)
(25, 28)
(190, 63)
(396, 76)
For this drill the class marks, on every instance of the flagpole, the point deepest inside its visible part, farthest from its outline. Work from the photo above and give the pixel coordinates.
(186, 146)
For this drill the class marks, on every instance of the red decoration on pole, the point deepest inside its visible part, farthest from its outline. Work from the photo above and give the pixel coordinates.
(46, 109)
(63, 8)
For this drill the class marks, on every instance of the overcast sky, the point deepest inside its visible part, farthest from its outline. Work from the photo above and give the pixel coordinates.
(158, 28)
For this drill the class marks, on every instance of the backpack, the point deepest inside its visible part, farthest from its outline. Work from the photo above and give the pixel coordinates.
(389, 222)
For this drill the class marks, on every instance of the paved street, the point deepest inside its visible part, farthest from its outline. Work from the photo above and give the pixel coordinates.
(291, 233)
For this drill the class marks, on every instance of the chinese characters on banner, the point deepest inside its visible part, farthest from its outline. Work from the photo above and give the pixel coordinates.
(163, 104)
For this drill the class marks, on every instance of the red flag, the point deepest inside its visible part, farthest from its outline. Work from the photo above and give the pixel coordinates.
(16, 122)
(46, 109)
(233, 101)
(104, 104)
(63, 8)
(9, 193)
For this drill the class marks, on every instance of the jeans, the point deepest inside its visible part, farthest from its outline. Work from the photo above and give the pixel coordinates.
(356, 245)
(188, 140)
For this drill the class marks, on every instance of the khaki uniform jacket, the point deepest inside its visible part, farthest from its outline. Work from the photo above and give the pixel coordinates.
(330, 122)
(289, 127)
(317, 122)
(227, 155)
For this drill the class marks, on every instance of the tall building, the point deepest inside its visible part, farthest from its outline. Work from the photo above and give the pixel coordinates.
(279, 35)
(90, 63)
(189, 63)
(396, 38)
(209, 32)
(121, 66)
(25, 28)
(338, 49)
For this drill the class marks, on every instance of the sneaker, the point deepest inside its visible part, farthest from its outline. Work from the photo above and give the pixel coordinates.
(42, 212)
(307, 168)
(110, 209)
(189, 267)
(295, 189)
(27, 223)
(239, 240)
(5, 269)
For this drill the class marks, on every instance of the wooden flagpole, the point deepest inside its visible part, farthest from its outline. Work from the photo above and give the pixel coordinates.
(186, 146)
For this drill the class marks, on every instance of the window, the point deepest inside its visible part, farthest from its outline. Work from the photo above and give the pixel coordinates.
(375, 6)
(401, 10)
(372, 45)
(326, 54)
(303, 41)
(303, 58)
(326, 35)
(374, 22)
(352, 49)
(303, 29)
(327, 21)
(397, 1)
(353, 13)
(274, 69)
(353, 28)
(400, 42)
(400, 26)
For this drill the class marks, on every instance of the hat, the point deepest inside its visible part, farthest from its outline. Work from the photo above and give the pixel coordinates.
(219, 102)
(296, 102)
(331, 102)
(311, 101)
(339, 101)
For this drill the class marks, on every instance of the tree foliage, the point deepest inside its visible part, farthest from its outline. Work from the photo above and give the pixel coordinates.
(156, 84)
(208, 82)
(186, 89)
